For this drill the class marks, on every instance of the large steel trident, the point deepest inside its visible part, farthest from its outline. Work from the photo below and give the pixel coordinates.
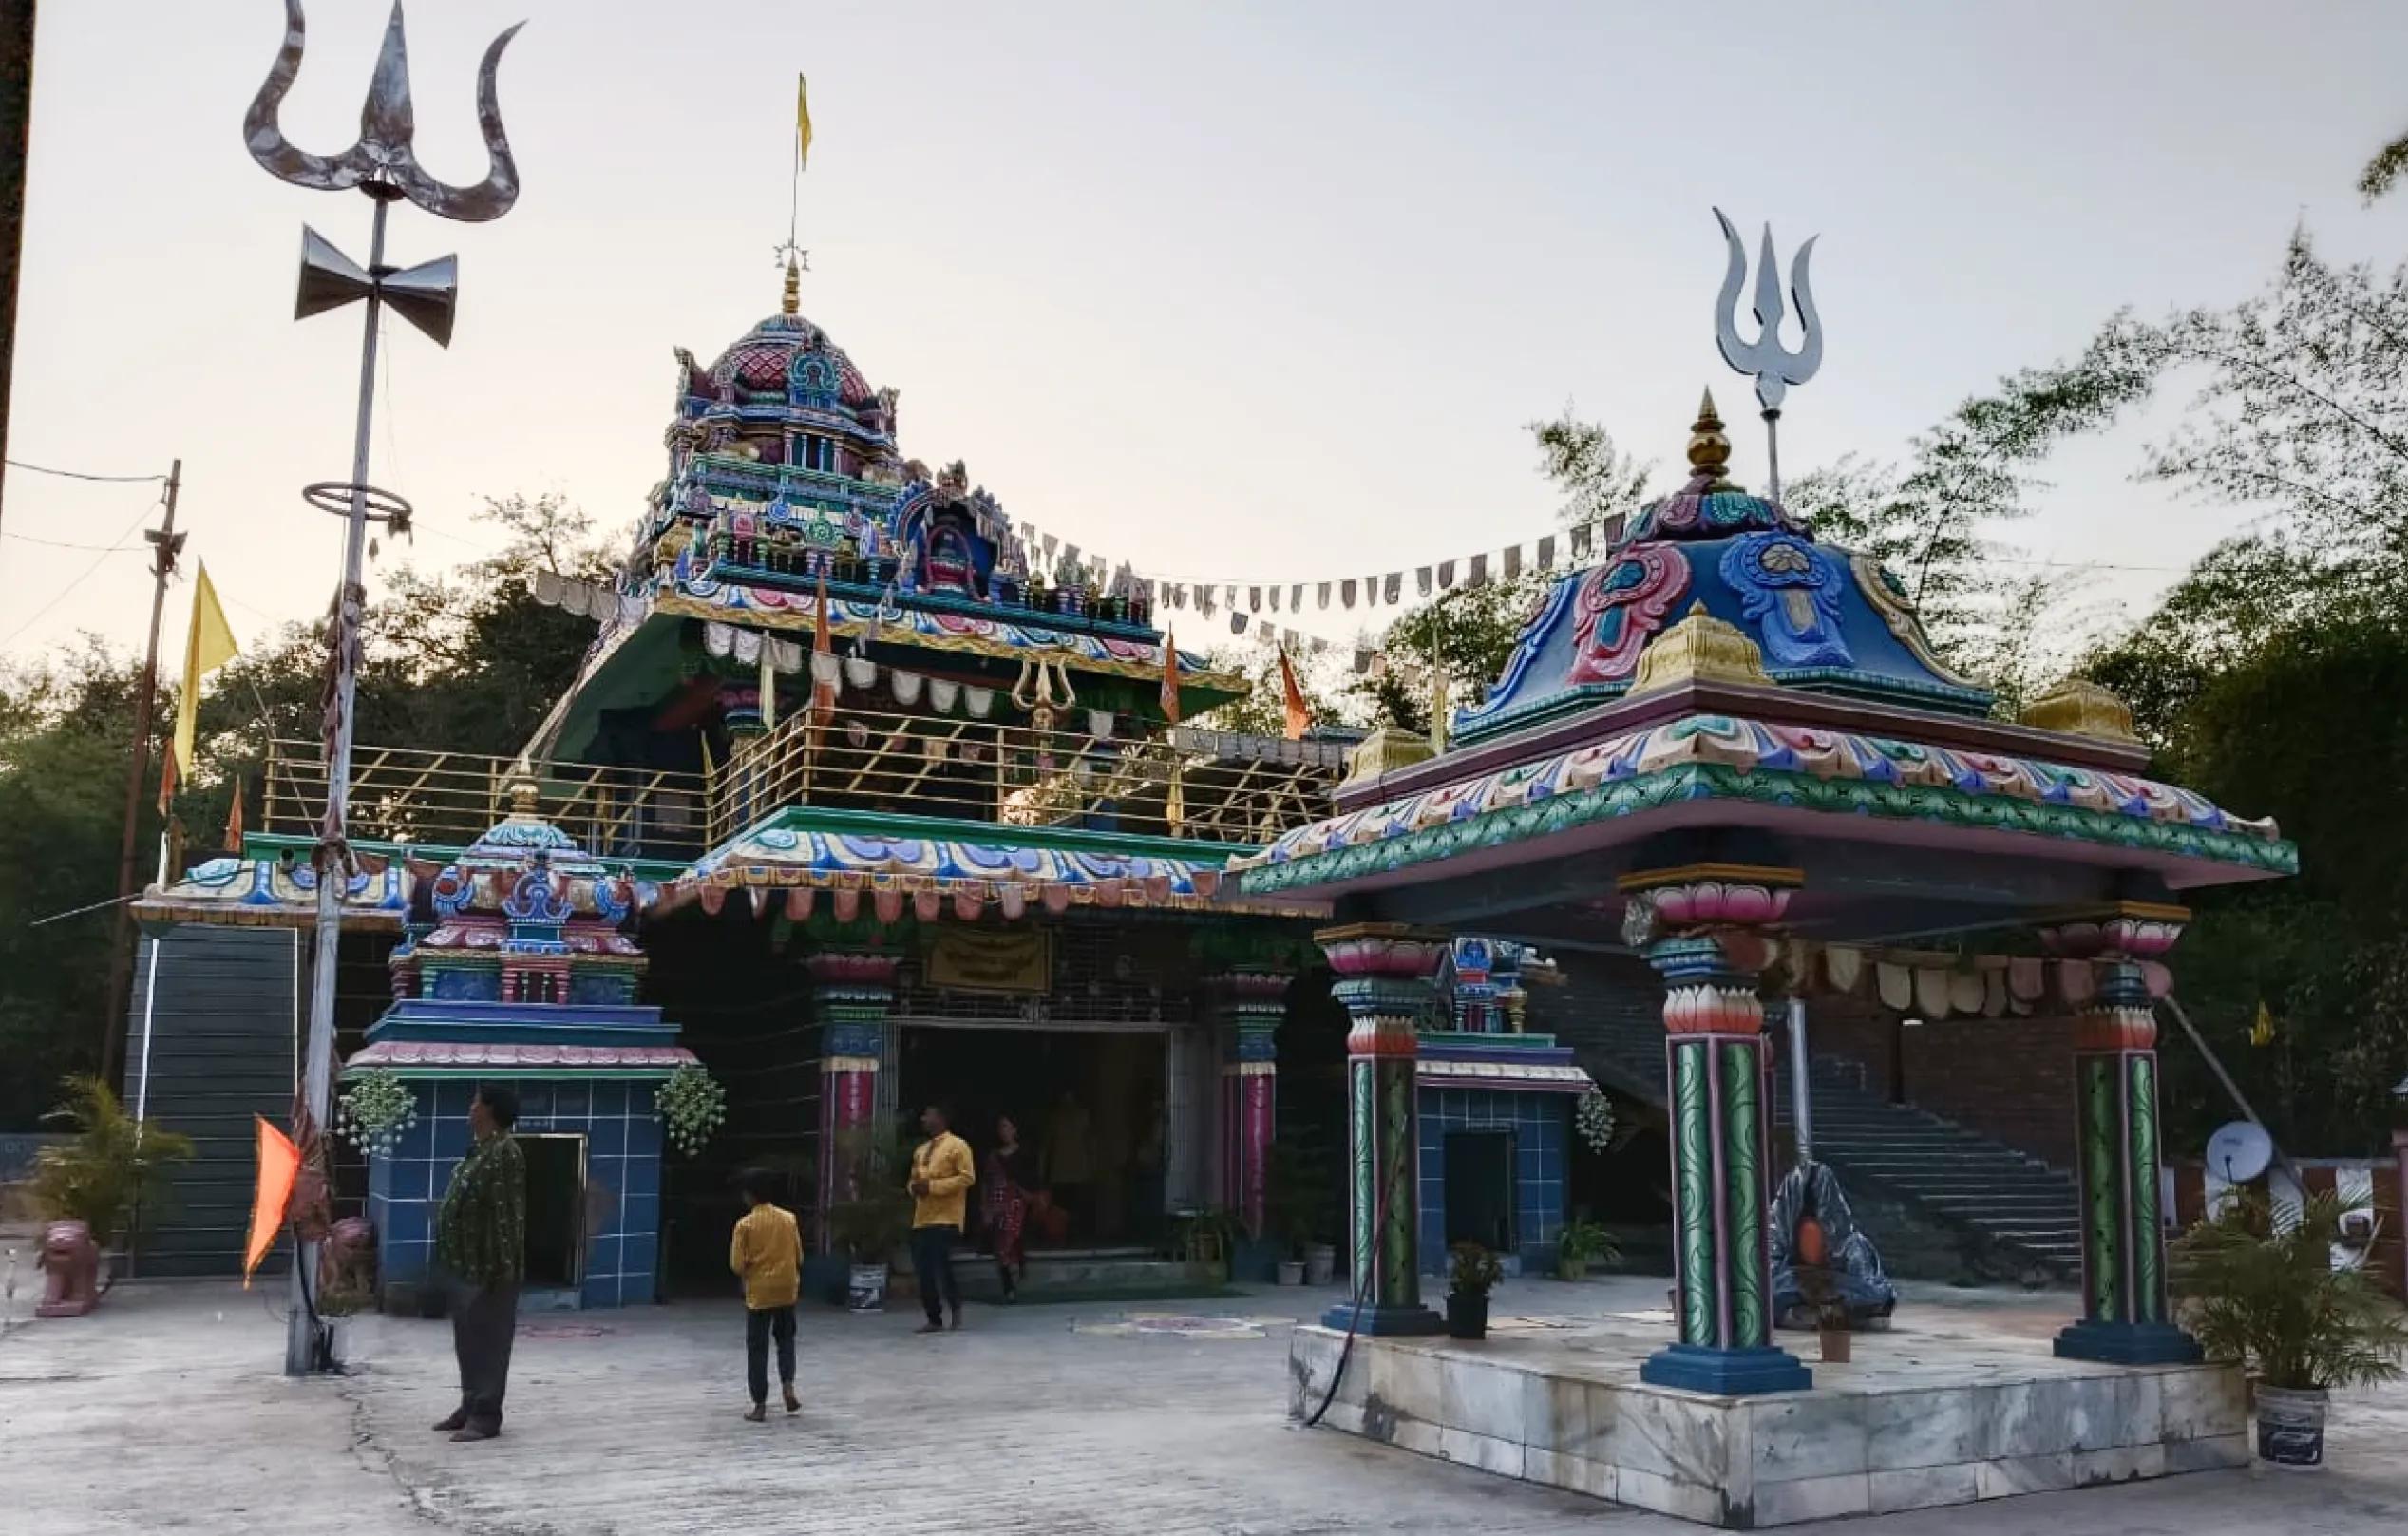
(383, 164)
(1775, 367)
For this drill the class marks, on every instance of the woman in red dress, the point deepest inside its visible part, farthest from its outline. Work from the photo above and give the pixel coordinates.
(1006, 1193)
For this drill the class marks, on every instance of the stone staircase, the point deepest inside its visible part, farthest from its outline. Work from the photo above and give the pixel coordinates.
(2030, 1211)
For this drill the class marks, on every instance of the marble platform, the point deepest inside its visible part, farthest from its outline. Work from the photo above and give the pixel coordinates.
(1949, 1407)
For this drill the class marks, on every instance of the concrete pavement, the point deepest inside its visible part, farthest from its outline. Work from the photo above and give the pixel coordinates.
(165, 1411)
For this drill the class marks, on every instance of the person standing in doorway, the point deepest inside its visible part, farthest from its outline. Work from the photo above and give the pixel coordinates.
(1004, 1192)
(480, 1246)
(941, 1174)
(767, 1251)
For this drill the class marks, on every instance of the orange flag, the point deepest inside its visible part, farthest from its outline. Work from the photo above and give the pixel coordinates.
(167, 781)
(1170, 678)
(1299, 714)
(234, 821)
(280, 1164)
(822, 660)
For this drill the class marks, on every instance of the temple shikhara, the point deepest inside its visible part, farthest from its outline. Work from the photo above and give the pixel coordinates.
(865, 797)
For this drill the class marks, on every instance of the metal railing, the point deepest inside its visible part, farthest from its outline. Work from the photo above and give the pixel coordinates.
(1014, 775)
(400, 794)
(1199, 785)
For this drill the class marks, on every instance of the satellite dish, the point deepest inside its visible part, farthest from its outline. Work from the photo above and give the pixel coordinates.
(2240, 1151)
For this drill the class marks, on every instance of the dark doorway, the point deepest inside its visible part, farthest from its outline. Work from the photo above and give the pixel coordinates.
(1480, 1190)
(556, 1211)
(1089, 1105)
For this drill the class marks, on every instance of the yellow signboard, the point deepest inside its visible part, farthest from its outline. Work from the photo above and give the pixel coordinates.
(991, 959)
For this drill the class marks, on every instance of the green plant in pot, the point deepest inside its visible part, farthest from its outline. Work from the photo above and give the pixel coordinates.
(1302, 1184)
(870, 1217)
(1472, 1273)
(1582, 1243)
(113, 1177)
(2272, 1300)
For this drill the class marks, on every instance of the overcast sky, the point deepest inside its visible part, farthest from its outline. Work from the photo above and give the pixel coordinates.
(1232, 290)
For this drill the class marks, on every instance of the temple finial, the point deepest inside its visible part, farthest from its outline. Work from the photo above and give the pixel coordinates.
(1709, 450)
(792, 303)
(526, 792)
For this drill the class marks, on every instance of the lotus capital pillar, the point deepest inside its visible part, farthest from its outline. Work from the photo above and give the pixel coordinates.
(1707, 929)
(2126, 1319)
(1387, 978)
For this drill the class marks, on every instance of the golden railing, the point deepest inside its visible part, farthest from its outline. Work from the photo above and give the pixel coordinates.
(1196, 785)
(447, 799)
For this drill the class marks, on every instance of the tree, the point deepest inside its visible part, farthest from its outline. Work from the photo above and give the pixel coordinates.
(1598, 481)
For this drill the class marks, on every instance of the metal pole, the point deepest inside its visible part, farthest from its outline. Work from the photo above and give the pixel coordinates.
(1772, 456)
(16, 117)
(1801, 1109)
(302, 1351)
(121, 959)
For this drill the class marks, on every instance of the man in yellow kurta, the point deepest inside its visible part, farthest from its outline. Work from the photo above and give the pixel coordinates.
(941, 1174)
(767, 1251)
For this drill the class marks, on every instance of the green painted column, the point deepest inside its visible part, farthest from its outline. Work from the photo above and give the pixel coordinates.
(1386, 977)
(2126, 1317)
(1704, 928)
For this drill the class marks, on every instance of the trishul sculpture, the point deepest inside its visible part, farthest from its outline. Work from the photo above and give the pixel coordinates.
(1775, 367)
(383, 164)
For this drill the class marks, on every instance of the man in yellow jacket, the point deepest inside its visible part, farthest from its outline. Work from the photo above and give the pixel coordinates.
(941, 1175)
(767, 1251)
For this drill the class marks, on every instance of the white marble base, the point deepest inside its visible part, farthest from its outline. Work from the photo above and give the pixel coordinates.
(1919, 1418)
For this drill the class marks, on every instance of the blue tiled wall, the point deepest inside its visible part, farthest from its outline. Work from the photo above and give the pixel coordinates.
(1541, 1123)
(622, 1177)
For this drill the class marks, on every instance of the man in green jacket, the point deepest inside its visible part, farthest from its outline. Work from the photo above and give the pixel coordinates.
(480, 1246)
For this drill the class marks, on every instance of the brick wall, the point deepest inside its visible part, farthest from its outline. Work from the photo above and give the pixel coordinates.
(2009, 1079)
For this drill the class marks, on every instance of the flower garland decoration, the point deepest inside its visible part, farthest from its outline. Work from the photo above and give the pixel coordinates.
(692, 1104)
(1593, 1117)
(376, 1110)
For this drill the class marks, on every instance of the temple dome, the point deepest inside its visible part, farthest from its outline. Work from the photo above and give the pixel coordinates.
(762, 360)
(1709, 506)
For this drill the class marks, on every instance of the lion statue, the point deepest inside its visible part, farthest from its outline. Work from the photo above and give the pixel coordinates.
(70, 1263)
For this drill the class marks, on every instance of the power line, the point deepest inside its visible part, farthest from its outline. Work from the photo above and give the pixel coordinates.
(78, 474)
(64, 592)
(53, 544)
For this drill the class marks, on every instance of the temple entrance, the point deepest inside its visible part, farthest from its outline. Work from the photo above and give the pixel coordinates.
(1089, 1106)
(1480, 1204)
(556, 1211)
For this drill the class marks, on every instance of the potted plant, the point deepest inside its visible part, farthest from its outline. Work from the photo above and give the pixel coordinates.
(1474, 1273)
(113, 1177)
(1582, 1243)
(2271, 1300)
(1301, 1180)
(871, 1216)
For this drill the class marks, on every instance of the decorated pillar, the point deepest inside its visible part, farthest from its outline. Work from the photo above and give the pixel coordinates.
(1387, 980)
(2125, 1316)
(852, 993)
(1705, 928)
(1249, 1005)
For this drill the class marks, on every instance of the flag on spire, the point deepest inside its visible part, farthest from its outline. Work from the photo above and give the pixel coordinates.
(802, 122)
(234, 819)
(1299, 714)
(208, 646)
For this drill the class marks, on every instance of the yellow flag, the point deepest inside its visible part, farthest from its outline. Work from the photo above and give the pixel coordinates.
(768, 682)
(209, 647)
(802, 123)
(2262, 1031)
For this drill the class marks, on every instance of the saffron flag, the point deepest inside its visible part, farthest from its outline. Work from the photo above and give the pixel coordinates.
(768, 682)
(234, 821)
(279, 1166)
(1170, 678)
(208, 647)
(822, 659)
(1299, 714)
(802, 122)
(167, 781)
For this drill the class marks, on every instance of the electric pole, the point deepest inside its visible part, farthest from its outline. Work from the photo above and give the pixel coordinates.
(168, 544)
(16, 121)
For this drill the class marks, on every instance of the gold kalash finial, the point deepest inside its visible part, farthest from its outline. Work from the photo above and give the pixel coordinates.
(1709, 449)
(792, 303)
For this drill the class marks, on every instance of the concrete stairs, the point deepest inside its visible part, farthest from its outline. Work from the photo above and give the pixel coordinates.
(2030, 1212)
